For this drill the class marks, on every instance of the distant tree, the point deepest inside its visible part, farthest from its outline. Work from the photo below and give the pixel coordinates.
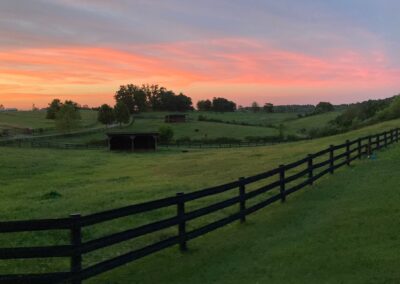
(125, 95)
(392, 111)
(204, 105)
(105, 114)
(53, 108)
(323, 107)
(67, 118)
(2, 107)
(268, 107)
(166, 134)
(183, 103)
(255, 107)
(223, 105)
(140, 100)
(153, 95)
(121, 113)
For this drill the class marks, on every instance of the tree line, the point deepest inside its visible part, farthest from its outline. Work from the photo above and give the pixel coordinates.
(152, 98)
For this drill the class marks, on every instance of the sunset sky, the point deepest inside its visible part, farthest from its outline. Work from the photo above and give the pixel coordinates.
(286, 51)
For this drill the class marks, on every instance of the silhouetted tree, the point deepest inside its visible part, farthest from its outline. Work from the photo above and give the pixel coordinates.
(106, 115)
(121, 113)
(204, 105)
(223, 105)
(53, 108)
(323, 107)
(268, 107)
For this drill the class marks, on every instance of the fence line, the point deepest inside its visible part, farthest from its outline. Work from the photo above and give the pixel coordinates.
(76, 146)
(313, 169)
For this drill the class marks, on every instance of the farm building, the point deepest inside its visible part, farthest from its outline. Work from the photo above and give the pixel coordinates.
(131, 141)
(173, 118)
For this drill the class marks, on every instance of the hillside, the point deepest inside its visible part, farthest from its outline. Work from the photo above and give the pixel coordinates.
(54, 183)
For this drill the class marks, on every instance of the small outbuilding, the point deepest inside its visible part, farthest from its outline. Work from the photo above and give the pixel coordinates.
(173, 118)
(132, 141)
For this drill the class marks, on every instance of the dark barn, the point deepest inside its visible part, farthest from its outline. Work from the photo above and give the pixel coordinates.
(172, 118)
(128, 141)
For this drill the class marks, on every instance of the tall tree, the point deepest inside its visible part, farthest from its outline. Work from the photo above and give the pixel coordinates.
(106, 115)
(67, 118)
(53, 108)
(125, 95)
(121, 113)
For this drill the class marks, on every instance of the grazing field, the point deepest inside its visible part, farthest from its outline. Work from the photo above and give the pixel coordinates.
(256, 125)
(302, 125)
(37, 119)
(39, 183)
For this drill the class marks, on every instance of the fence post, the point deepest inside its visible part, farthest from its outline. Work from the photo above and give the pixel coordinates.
(359, 148)
(378, 146)
(331, 159)
(182, 222)
(348, 152)
(397, 135)
(310, 169)
(385, 139)
(369, 150)
(242, 197)
(282, 182)
(76, 240)
(391, 136)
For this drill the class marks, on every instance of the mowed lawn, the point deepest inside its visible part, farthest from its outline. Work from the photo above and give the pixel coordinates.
(343, 229)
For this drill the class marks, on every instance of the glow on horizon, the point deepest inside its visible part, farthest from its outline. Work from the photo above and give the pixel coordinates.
(240, 67)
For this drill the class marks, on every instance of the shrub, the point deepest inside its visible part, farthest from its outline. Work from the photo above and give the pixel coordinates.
(166, 134)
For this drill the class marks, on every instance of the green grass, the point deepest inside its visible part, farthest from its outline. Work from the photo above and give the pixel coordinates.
(302, 125)
(37, 119)
(341, 230)
(200, 129)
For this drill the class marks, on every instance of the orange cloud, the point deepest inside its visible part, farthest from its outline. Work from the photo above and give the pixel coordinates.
(238, 68)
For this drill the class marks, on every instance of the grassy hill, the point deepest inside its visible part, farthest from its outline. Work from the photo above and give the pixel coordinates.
(37, 119)
(342, 229)
(237, 125)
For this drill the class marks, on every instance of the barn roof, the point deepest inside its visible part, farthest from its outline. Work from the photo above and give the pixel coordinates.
(132, 133)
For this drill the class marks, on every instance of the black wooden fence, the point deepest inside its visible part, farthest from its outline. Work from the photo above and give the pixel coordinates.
(307, 171)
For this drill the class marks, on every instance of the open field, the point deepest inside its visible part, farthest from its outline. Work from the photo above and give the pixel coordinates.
(268, 125)
(301, 125)
(53, 183)
(37, 119)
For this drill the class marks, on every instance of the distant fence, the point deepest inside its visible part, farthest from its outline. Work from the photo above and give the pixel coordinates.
(289, 178)
(57, 145)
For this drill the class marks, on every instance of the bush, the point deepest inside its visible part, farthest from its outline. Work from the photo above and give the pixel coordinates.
(166, 134)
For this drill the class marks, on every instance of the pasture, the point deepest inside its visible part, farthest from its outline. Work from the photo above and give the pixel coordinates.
(53, 183)
(37, 119)
(237, 125)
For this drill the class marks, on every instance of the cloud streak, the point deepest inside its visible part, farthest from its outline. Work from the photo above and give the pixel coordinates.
(186, 66)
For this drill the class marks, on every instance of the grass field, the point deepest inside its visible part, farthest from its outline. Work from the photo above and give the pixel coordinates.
(332, 233)
(199, 130)
(37, 119)
(302, 125)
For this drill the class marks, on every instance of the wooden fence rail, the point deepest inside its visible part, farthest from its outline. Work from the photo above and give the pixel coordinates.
(308, 170)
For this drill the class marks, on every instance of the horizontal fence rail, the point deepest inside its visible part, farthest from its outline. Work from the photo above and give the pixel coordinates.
(282, 181)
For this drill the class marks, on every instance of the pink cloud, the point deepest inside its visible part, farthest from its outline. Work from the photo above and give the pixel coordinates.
(196, 68)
